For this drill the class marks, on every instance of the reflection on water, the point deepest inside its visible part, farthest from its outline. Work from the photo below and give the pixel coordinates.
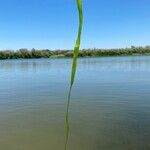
(105, 63)
(110, 105)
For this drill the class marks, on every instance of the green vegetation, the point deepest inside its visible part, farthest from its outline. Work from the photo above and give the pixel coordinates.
(75, 54)
(24, 53)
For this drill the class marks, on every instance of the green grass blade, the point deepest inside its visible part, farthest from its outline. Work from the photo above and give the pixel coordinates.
(67, 127)
(77, 44)
(73, 72)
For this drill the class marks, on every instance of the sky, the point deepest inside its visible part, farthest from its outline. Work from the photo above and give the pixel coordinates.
(52, 24)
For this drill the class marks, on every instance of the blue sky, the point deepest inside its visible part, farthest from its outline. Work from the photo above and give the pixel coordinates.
(53, 23)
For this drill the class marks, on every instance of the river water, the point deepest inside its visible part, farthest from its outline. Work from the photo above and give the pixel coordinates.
(110, 104)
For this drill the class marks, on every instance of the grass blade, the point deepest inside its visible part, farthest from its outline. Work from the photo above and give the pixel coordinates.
(74, 67)
(77, 44)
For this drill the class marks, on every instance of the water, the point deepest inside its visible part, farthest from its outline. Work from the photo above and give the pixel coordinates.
(110, 104)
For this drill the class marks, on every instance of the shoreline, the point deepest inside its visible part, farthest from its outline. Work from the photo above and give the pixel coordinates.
(36, 54)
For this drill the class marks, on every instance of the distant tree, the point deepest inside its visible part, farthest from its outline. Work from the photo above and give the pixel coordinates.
(132, 47)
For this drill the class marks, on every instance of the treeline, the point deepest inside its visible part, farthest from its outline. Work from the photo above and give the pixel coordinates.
(26, 54)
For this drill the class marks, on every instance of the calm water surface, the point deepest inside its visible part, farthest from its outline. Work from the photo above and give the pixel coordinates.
(110, 108)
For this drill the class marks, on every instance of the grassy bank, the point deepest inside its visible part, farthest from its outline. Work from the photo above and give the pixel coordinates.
(25, 53)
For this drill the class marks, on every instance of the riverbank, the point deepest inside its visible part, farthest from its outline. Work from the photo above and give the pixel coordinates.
(46, 53)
